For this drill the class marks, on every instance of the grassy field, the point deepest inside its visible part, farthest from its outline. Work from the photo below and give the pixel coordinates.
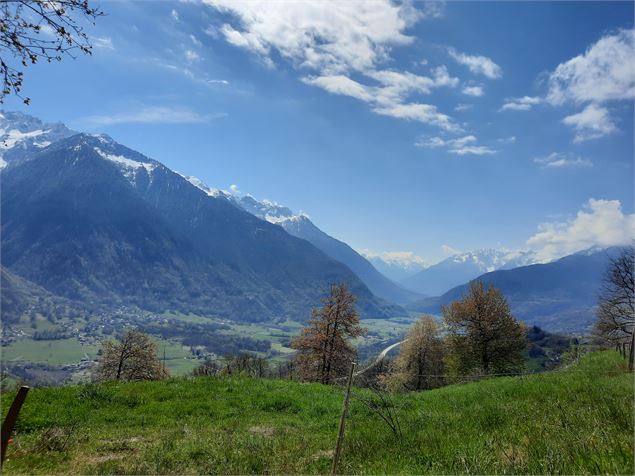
(574, 421)
(60, 351)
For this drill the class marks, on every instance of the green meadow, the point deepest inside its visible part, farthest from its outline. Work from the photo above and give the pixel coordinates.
(577, 420)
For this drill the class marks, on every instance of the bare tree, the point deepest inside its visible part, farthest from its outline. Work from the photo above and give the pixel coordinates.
(483, 334)
(419, 365)
(616, 304)
(40, 30)
(324, 351)
(133, 358)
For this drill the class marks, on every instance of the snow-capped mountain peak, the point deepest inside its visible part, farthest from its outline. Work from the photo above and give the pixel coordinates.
(21, 135)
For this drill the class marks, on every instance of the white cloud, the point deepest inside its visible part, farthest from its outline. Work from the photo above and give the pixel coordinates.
(191, 56)
(524, 103)
(332, 37)
(558, 160)
(175, 15)
(462, 146)
(196, 41)
(507, 140)
(463, 107)
(472, 150)
(152, 115)
(425, 113)
(477, 64)
(599, 223)
(198, 77)
(340, 84)
(331, 41)
(591, 123)
(234, 190)
(605, 72)
(475, 91)
(103, 43)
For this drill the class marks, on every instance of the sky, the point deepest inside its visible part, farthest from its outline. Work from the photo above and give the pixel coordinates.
(398, 127)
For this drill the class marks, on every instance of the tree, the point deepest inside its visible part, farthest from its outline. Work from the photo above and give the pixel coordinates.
(419, 365)
(40, 30)
(133, 358)
(324, 351)
(616, 304)
(483, 334)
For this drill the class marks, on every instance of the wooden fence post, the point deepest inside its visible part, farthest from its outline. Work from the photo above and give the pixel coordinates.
(9, 422)
(340, 435)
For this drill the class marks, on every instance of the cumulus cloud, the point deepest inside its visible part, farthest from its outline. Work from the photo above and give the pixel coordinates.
(191, 56)
(461, 146)
(507, 140)
(524, 103)
(175, 15)
(152, 115)
(333, 37)
(477, 64)
(605, 72)
(332, 41)
(599, 223)
(591, 123)
(475, 91)
(558, 160)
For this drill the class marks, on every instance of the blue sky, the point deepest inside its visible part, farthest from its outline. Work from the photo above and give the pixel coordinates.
(418, 127)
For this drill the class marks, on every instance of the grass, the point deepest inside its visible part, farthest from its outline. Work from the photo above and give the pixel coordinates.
(60, 351)
(574, 421)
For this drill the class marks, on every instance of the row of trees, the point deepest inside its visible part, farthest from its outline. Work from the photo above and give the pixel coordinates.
(480, 336)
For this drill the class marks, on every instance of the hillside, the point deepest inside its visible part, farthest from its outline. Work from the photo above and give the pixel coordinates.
(574, 421)
(301, 226)
(90, 220)
(559, 296)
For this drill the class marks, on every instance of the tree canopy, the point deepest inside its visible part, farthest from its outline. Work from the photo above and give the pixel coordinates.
(324, 350)
(483, 334)
(132, 358)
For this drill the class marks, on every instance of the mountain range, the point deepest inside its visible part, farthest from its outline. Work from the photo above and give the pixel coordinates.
(462, 267)
(89, 224)
(559, 296)
(301, 226)
(397, 266)
(89, 220)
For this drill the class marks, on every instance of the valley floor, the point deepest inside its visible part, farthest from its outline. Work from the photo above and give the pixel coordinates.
(574, 421)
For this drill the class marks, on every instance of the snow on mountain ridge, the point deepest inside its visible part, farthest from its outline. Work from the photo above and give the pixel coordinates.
(125, 162)
(21, 134)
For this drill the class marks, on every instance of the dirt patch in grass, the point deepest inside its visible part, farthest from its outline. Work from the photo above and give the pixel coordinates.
(262, 430)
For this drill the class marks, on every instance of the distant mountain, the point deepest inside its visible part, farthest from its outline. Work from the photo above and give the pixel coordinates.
(301, 226)
(92, 221)
(462, 267)
(22, 135)
(559, 296)
(396, 265)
